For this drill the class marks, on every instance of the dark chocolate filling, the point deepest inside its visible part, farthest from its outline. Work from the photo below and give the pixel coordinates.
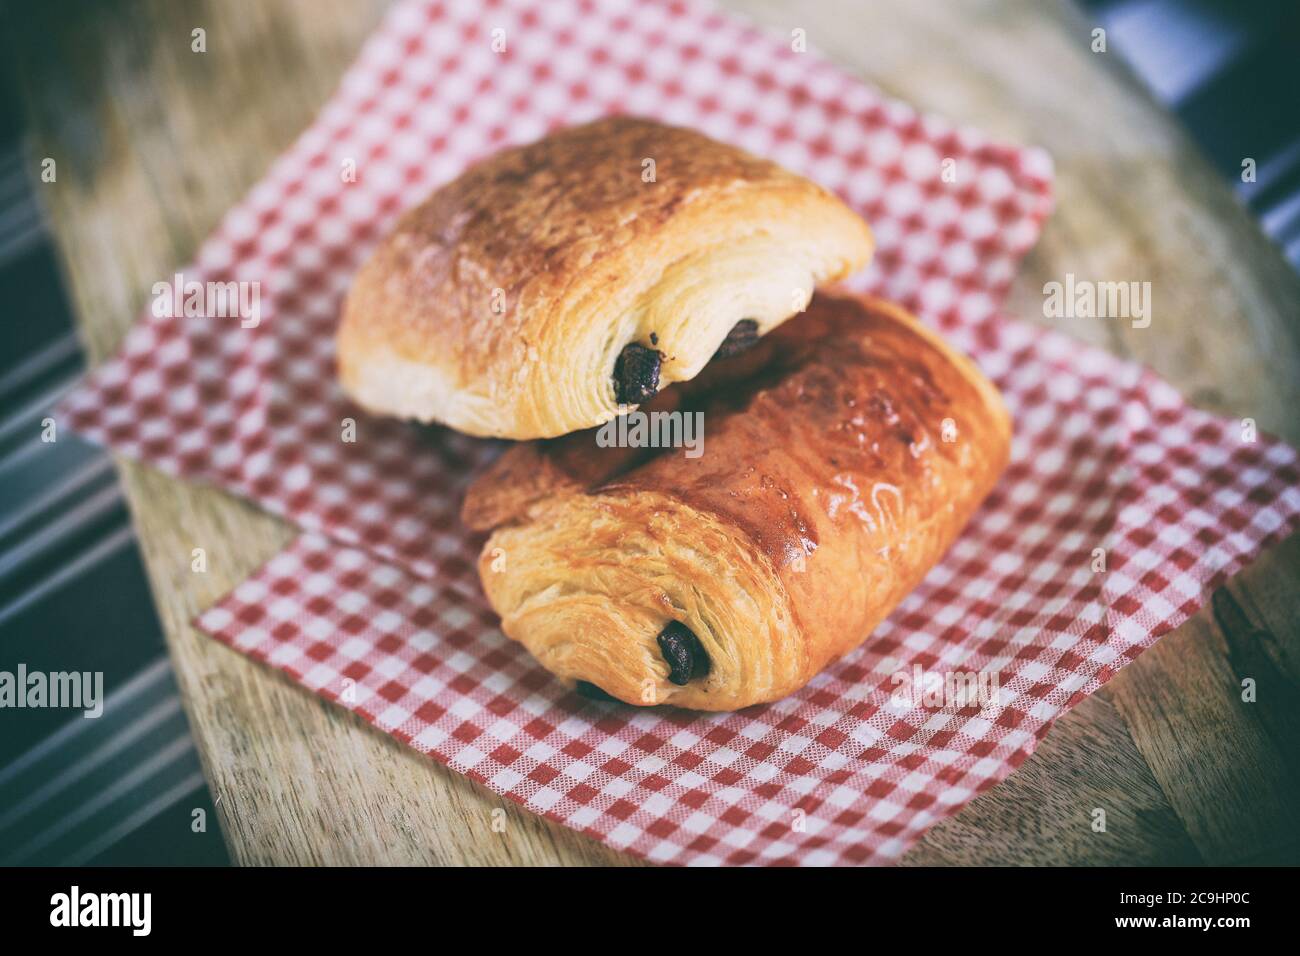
(592, 692)
(742, 337)
(682, 650)
(636, 374)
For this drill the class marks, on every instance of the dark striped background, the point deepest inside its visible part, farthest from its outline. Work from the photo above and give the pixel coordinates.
(121, 788)
(1228, 69)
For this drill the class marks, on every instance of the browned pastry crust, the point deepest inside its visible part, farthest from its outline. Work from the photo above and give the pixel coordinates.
(825, 492)
(501, 306)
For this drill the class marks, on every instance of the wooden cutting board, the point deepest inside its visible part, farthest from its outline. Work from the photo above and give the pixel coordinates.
(155, 142)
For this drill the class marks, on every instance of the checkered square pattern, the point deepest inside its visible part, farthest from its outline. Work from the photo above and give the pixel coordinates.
(1121, 507)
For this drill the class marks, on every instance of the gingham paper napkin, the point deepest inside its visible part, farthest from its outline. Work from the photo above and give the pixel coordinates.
(377, 607)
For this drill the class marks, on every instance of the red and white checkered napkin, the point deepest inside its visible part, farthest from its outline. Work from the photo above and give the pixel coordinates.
(377, 606)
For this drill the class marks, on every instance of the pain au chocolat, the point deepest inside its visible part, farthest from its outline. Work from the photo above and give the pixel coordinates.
(552, 282)
(845, 452)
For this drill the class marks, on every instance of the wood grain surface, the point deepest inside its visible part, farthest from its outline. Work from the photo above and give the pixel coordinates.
(154, 142)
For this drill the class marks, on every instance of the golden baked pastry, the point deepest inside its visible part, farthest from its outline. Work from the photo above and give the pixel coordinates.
(842, 456)
(552, 282)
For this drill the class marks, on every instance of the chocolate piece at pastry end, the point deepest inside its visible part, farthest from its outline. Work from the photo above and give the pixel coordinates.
(742, 337)
(685, 655)
(636, 374)
(592, 692)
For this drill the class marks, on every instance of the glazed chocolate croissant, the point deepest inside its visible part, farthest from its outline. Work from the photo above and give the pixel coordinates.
(553, 282)
(842, 456)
